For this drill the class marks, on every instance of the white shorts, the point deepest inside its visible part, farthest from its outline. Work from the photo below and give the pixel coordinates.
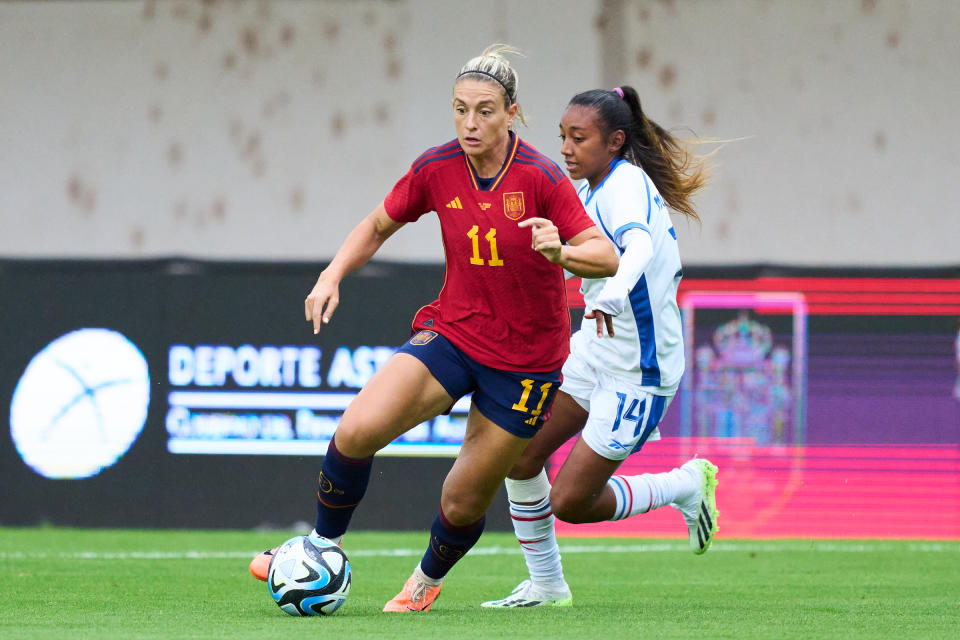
(622, 416)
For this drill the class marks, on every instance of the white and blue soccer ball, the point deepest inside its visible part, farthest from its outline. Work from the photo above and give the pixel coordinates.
(309, 577)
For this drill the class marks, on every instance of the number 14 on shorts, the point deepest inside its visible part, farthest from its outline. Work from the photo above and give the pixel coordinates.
(619, 423)
(631, 414)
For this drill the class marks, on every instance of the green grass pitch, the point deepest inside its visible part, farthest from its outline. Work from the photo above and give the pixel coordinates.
(73, 583)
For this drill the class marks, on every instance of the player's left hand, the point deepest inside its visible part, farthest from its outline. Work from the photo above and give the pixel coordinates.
(602, 319)
(612, 298)
(545, 238)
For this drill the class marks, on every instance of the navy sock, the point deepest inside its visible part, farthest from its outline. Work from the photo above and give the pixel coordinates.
(343, 481)
(448, 543)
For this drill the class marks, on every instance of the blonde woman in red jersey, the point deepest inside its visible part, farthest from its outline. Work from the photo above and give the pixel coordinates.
(511, 222)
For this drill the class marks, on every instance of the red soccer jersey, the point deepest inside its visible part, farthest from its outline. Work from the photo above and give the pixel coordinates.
(502, 303)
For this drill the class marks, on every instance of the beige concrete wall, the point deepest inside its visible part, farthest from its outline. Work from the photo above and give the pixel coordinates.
(265, 130)
(847, 106)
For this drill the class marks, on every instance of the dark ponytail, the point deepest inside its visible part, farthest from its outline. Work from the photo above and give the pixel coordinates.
(676, 172)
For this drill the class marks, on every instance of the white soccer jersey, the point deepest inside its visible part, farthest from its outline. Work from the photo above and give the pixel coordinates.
(647, 347)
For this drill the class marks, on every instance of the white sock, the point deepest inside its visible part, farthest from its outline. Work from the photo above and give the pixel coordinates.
(317, 537)
(533, 525)
(422, 577)
(639, 494)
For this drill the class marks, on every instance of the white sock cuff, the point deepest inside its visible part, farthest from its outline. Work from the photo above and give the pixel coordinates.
(422, 577)
(531, 490)
(316, 538)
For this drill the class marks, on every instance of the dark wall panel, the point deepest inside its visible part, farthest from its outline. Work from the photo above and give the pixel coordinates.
(236, 426)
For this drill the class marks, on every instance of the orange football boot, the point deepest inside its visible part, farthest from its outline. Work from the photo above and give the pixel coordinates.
(416, 595)
(260, 565)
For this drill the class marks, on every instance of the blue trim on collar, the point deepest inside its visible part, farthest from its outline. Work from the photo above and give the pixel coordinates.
(616, 162)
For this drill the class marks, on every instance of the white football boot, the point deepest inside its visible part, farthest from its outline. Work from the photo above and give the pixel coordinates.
(528, 594)
(700, 508)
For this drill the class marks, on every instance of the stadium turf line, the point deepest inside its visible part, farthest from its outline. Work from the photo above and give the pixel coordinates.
(78, 583)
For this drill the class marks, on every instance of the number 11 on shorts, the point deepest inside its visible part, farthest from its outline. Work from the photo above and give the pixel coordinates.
(527, 388)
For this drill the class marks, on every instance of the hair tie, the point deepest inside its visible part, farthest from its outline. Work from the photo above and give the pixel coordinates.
(618, 91)
(488, 74)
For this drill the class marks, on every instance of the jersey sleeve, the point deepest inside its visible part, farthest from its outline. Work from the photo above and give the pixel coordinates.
(565, 210)
(630, 204)
(409, 198)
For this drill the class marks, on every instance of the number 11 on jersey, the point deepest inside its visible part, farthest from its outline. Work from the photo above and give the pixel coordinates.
(490, 237)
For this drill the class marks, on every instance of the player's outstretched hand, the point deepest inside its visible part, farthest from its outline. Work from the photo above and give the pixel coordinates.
(612, 297)
(545, 238)
(602, 319)
(322, 302)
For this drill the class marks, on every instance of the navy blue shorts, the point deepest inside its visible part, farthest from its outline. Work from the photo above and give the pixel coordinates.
(516, 401)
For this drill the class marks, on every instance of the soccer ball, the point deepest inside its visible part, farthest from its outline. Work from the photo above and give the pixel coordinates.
(309, 577)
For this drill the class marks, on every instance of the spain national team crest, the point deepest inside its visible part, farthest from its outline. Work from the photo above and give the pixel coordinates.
(423, 337)
(513, 205)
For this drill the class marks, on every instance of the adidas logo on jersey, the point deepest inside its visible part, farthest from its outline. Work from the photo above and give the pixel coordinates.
(455, 204)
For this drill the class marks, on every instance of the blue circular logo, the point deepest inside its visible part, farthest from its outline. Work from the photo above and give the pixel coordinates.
(80, 404)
